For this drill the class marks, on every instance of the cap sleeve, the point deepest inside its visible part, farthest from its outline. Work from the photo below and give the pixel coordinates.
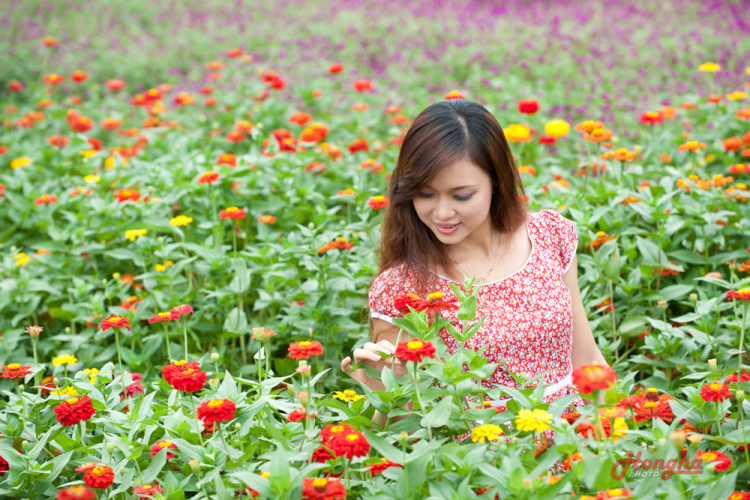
(563, 232)
(385, 288)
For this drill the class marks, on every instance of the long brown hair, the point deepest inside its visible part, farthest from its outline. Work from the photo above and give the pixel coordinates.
(442, 134)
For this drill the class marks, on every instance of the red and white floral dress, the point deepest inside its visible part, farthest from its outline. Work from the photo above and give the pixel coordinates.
(529, 317)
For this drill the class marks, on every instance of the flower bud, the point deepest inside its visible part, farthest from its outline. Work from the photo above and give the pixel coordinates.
(122, 471)
(342, 222)
(195, 465)
(215, 357)
(403, 437)
(695, 438)
(739, 395)
(661, 441)
(310, 226)
(34, 331)
(131, 448)
(214, 383)
(693, 297)
(24, 444)
(712, 363)
(56, 381)
(662, 304)
(678, 437)
(304, 370)
(238, 427)
(67, 329)
(303, 397)
(527, 483)
(110, 448)
(21, 387)
(104, 281)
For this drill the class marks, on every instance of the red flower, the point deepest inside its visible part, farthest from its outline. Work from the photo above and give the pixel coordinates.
(739, 495)
(15, 86)
(184, 376)
(147, 491)
(322, 489)
(14, 370)
(58, 141)
(87, 467)
(744, 377)
(384, 464)
(528, 106)
(82, 124)
(377, 202)
(182, 309)
(362, 85)
(322, 455)
(589, 378)
(401, 302)
(100, 477)
(160, 445)
(652, 117)
(115, 85)
(715, 392)
(358, 145)
(547, 139)
(227, 159)
(132, 389)
(335, 68)
(234, 53)
(353, 444)
(299, 414)
(435, 303)
(332, 430)
(208, 178)
(53, 79)
(164, 316)
(647, 410)
(217, 410)
(79, 76)
(415, 350)
(76, 492)
(305, 349)
(723, 461)
(4, 466)
(613, 493)
(46, 199)
(74, 410)
(114, 322)
(742, 294)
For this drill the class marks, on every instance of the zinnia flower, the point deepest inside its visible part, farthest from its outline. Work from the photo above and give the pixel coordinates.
(348, 396)
(76, 492)
(715, 392)
(589, 378)
(305, 349)
(20, 162)
(147, 491)
(182, 309)
(74, 410)
(415, 350)
(16, 370)
(517, 133)
(160, 445)
(489, 432)
(232, 213)
(350, 445)
(384, 464)
(709, 67)
(216, 410)
(322, 489)
(331, 430)
(114, 322)
(87, 467)
(723, 462)
(100, 477)
(181, 220)
(64, 359)
(648, 410)
(184, 376)
(268, 219)
(741, 294)
(533, 420)
(528, 106)
(402, 302)
(132, 234)
(298, 414)
(377, 202)
(557, 128)
(163, 316)
(208, 178)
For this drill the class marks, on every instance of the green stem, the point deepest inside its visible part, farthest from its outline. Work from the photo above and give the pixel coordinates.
(415, 375)
(184, 327)
(197, 424)
(744, 439)
(119, 357)
(166, 339)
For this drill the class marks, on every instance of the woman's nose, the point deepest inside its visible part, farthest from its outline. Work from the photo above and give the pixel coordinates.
(444, 212)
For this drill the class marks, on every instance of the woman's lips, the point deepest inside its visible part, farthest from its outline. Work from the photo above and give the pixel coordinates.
(447, 229)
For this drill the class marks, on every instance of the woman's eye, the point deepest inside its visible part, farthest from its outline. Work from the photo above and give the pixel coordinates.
(424, 195)
(463, 198)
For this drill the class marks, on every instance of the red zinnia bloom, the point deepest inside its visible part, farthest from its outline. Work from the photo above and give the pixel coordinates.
(147, 491)
(300, 119)
(589, 378)
(96, 144)
(160, 445)
(163, 316)
(100, 477)
(74, 410)
(415, 350)
(208, 178)
(322, 489)
(322, 455)
(350, 445)
(305, 349)
(646, 410)
(362, 85)
(268, 219)
(115, 85)
(384, 464)
(528, 106)
(335, 68)
(739, 168)
(332, 430)
(46, 199)
(182, 309)
(360, 144)
(14, 370)
(76, 492)
(227, 159)
(58, 141)
(732, 378)
(547, 139)
(87, 467)
(742, 294)
(234, 53)
(715, 392)
(53, 79)
(114, 322)
(79, 76)
(184, 376)
(132, 389)
(124, 195)
(15, 86)
(435, 302)
(613, 493)
(377, 202)
(299, 414)
(217, 410)
(724, 462)
(401, 302)
(82, 124)
(232, 213)
(652, 117)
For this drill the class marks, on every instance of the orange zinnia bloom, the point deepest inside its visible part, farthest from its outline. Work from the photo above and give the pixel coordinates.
(268, 219)
(300, 119)
(362, 85)
(232, 213)
(208, 178)
(692, 146)
(115, 85)
(227, 159)
(453, 94)
(46, 199)
(732, 144)
(53, 79)
(79, 76)
(110, 123)
(58, 141)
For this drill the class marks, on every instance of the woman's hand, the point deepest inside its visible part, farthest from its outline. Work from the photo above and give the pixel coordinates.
(369, 355)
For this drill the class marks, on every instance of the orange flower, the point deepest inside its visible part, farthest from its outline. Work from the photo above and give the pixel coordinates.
(79, 76)
(53, 79)
(234, 136)
(346, 192)
(358, 145)
(58, 141)
(115, 85)
(335, 68)
(300, 119)
(82, 124)
(49, 41)
(715, 98)
(316, 167)
(359, 106)
(227, 159)
(598, 135)
(588, 126)
(743, 114)
(739, 168)
(268, 219)
(692, 146)
(208, 178)
(46, 199)
(340, 243)
(305, 349)
(688, 105)
(590, 378)
(110, 123)
(362, 85)
(453, 94)
(234, 53)
(732, 144)
(124, 195)
(316, 132)
(377, 202)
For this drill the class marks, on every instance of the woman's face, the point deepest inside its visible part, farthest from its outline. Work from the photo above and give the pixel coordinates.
(459, 195)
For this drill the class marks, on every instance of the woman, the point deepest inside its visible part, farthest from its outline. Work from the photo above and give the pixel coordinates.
(457, 207)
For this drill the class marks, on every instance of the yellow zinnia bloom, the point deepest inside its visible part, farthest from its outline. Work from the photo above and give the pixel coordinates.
(88, 153)
(533, 420)
(489, 432)
(709, 67)
(517, 133)
(92, 373)
(160, 268)
(22, 259)
(557, 128)
(64, 359)
(92, 179)
(737, 95)
(181, 220)
(132, 234)
(348, 396)
(68, 392)
(20, 162)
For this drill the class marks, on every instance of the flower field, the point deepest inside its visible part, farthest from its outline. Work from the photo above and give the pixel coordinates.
(190, 208)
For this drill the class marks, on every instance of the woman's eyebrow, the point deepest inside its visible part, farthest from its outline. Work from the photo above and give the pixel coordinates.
(453, 189)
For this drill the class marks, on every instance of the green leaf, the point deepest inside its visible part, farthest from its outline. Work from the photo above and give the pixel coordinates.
(613, 265)
(468, 310)
(58, 464)
(675, 292)
(440, 413)
(156, 465)
(650, 252)
(236, 322)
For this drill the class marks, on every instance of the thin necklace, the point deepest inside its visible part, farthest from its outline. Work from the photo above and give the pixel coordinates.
(488, 272)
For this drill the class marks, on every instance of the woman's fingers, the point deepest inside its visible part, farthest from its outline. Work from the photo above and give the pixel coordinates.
(346, 364)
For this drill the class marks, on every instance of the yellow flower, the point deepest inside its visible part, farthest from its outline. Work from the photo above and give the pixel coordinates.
(132, 234)
(517, 133)
(92, 373)
(348, 396)
(160, 268)
(747, 70)
(64, 359)
(116, 276)
(92, 179)
(557, 128)
(620, 425)
(489, 432)
(181, 220)
(536, 420)
(709, 67)
(435, 296)
(88, 153)
(22, 259)
(20, 162)
(169, 263)
(110, 162)
(737, 95)
(68, 392)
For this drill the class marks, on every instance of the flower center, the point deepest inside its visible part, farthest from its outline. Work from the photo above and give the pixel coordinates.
(320, 485)
(352, 437)
(715, 387)
(164, 444)
(72, 401)
(215, 402)
(415, 345)
(115, 318)
(435, 296)
(336, 429)
(232, 209)
(305, 344)
(99, 470)
(180, 363)
(708, 456)
(165, 315)
(650, 404)
(14, 366)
